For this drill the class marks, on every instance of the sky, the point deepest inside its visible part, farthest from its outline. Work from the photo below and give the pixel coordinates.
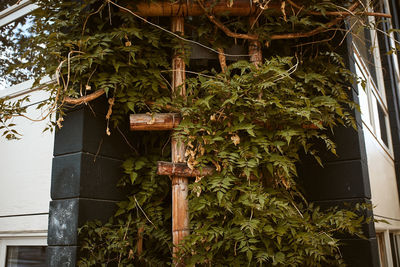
(7, 51)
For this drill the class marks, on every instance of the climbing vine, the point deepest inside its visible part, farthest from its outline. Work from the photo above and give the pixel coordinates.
(250, 120)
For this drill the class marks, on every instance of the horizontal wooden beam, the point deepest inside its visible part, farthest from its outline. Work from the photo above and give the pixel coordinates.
(182, 170)
(177, 8)
(155, 122)
(168, 121)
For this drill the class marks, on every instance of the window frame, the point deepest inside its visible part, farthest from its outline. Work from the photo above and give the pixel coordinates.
(371, 120)
(375, 91)
(35, 240)
(16, 11)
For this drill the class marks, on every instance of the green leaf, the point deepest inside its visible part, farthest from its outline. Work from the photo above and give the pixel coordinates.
(220, 195)
(133, 176)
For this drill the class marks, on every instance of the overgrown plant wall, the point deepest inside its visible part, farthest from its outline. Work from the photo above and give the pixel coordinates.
(248, 120)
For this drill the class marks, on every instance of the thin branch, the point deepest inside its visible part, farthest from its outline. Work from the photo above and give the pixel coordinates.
(91, 14)
(306, 34)
(127, 141)
(50, 110)
(144, 213)
(125, 235)
(87, 98)
(319, 41)
(225, 29)
(222, 60)
(340, 13)
(84, 99)
(58, 70)
(315, 31)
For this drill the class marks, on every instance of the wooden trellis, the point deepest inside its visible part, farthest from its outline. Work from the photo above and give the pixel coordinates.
(178, 169)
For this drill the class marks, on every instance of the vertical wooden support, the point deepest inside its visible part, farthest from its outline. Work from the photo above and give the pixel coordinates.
(180, 211)
(140, 240)
(255, 51)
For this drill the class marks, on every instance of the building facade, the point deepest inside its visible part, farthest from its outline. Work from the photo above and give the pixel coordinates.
(25, 173)
(50, 184)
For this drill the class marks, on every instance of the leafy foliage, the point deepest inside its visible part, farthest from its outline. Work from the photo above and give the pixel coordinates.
(145, 214)
(9, 108)
(250, 122)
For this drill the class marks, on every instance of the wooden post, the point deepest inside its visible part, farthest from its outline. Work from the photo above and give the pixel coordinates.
(255, 51)
(180, 210)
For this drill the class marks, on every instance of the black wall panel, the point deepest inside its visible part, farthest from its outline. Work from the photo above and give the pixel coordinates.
(86, 169)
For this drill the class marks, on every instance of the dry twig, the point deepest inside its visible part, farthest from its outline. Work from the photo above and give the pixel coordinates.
(340, 13)
(225, 29)
(222, 60)
(317, 30)
(84, 99)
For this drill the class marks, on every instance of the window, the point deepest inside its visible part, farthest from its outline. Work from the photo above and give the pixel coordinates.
(16, 49)
(368, 49)
(23, 251)
(395, 248)
(382, 249)
(24, 256)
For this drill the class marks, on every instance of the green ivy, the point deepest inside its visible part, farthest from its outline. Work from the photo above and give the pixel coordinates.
(250, 123)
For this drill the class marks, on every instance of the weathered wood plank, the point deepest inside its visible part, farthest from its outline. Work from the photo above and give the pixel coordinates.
(169, 9)
(155, 122)
(182, 169)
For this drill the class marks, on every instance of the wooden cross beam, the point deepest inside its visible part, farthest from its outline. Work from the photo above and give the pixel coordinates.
(177, 8)
(182, 170)
(155, 122)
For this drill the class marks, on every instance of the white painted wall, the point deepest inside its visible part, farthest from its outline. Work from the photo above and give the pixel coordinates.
(25, 174)
(382, 176)
(385, 197)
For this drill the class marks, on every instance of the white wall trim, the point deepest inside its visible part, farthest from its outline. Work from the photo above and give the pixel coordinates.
(15, 234)
(16, 11)
(25, 88)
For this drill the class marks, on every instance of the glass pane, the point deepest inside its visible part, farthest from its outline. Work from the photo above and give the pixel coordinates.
(16, 52)
(362, 39)
(395, 250)
(364, 105)
(26, 256)
(362, 94)
(383, 125)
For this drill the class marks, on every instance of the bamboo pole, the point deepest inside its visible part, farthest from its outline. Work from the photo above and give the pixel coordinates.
(170, 9)
(140, 240)
(255, 51)
(180, 211)
(182, 170)
(155, 122)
